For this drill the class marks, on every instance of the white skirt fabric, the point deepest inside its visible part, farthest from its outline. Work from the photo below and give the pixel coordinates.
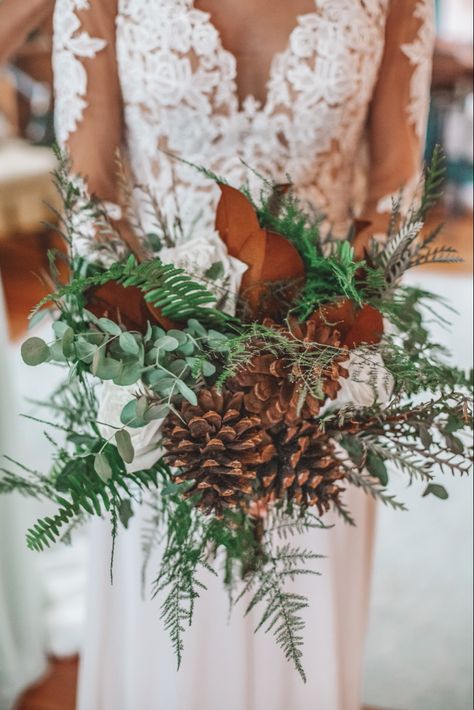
(128, 662)
(22, 656)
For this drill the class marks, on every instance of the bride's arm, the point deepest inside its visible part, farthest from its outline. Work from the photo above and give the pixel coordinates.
(89, 122)
(17, 19)
(399, 110)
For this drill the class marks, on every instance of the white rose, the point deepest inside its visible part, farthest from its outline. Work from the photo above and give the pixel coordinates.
(369, 381)
(112, 401)
(205, 39)
(201, 252)
(170, 78)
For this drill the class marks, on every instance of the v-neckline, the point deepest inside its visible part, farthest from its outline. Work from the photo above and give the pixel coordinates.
(263, 106)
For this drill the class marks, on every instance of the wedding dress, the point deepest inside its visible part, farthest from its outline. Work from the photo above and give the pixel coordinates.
(343, 114)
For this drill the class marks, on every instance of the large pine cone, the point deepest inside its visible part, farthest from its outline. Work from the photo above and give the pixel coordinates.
(217, 446)
(304, 470)
(274, 388)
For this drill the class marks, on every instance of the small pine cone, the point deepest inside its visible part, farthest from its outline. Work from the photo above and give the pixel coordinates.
(274, 389)
(304, 471)
(217, 446)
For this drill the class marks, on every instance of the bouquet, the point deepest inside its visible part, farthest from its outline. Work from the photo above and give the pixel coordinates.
(237, 382)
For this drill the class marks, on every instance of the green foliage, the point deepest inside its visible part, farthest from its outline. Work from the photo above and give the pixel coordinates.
(90, 474)
(167, 366)
(415, 437)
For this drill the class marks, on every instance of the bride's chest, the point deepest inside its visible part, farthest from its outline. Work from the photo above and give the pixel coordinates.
(184, 52)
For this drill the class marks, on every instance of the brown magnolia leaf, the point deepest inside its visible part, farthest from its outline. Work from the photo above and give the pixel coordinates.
(125, 306)
(367, 328)
(269, 256)
(236, 219)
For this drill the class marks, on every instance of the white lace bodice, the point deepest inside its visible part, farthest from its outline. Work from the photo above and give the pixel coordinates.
(179, 87)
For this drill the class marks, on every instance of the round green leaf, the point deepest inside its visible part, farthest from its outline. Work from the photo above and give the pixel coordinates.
(129, 374)
(376, 467)
(107, 369)
(56, 352)
(124, 445)
(67, 342)
(129, 344)
(208, 369)
(102, 467)
(196, 328)
(129, 416)
(59, 328)
(85, 351)
(167, 343)
(108, 326)
(436, 490)
(34, 351)
(142, 406)
(186, 392)
(155, 412)
(178, 335)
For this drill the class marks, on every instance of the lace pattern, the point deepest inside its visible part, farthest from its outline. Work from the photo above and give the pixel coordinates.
(180, 91)
(70, 46)
(419, 53)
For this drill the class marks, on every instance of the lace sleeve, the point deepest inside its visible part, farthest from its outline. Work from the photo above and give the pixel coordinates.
(17, 19)
(399, 108)
(89, 106)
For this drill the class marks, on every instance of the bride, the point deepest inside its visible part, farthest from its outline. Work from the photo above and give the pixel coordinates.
(333, 93)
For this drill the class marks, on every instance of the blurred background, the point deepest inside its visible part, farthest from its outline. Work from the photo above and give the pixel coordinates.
(419, 654)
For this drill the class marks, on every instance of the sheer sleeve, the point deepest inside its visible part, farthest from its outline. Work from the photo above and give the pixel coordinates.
(89, 121)
(17, 19)
(399, 109)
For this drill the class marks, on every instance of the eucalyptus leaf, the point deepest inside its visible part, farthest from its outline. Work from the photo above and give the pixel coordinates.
(129, 344)
(196, 328)
(128, 375)
(187, 348)
(149, 332)
(34, 351)
(98, 357)
(208, 369)
(67, 342)
(142, 406)
(376, 467)
(56, 352)
(124, 445)
(186, 392)
(354, 448)
(167, 343)
(179, 335)
(108, 369)
(425, 436)
(129, 416)
(154, 377)
(454, 444)
(436, 490)
(155, 412)
(180, 368)
(217, 341)
(157, 332)
(84, 350)
(108, 326)
(59, 328)
(102, 467)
